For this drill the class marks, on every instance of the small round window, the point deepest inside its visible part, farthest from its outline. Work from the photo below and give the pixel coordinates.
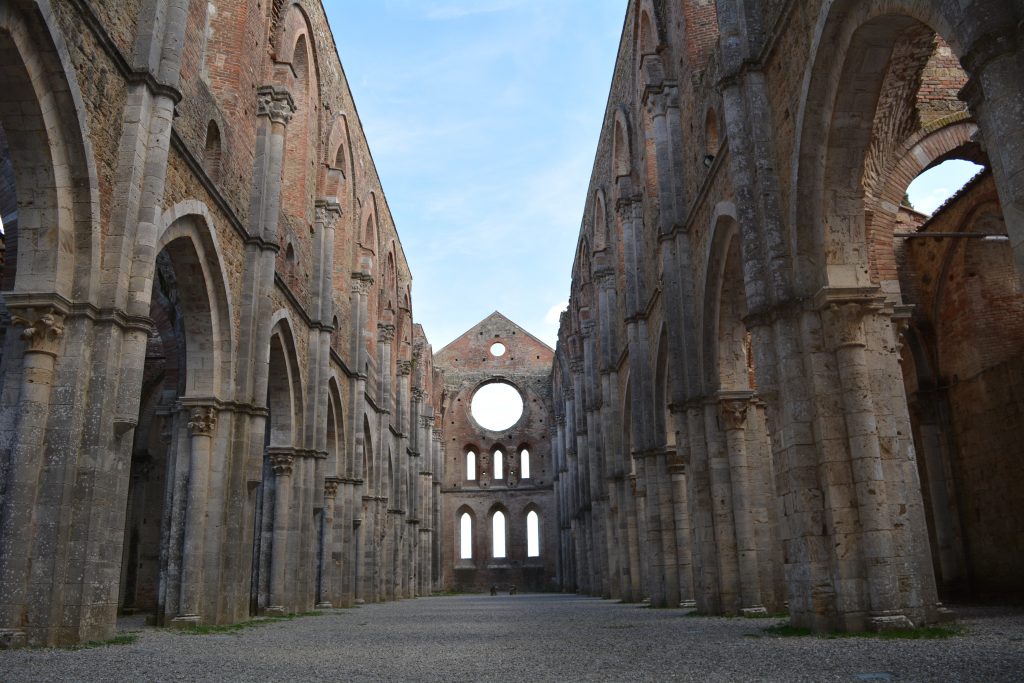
(496, 406)
(497, 349)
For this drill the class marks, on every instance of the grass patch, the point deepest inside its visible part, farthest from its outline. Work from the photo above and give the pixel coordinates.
(208, 629)
(121, 639)
(787, 630)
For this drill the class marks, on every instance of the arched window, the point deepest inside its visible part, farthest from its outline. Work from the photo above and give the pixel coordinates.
(498, 533)
(524, 464)
(532, 534)
(470, 465)
(465, 537)
(499, 467)
(212, 152)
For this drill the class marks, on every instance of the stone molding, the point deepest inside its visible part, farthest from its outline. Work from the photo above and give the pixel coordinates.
(385, 333)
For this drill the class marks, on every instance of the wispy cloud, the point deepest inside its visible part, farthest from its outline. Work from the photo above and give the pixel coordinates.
(458, 10)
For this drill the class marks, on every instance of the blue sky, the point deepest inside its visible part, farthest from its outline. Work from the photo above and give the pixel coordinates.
(483, 118)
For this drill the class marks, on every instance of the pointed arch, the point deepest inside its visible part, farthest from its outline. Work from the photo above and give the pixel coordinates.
(284, 385)
(56, 235)
(188, 241)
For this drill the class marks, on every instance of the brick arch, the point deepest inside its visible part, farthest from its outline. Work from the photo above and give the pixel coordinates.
(916, 154)
(336, 180)
(53, 166)
(828, 245)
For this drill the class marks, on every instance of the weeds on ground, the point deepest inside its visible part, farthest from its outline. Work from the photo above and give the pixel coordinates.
(207, 629)
(787, 630)
(121, 639)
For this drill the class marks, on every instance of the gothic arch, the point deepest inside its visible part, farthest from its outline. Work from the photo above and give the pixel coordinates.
(188, 238)
(836, 115)
(284, 385)
(57, 228)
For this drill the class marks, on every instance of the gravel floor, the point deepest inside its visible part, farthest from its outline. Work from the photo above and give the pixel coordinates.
(533, 638)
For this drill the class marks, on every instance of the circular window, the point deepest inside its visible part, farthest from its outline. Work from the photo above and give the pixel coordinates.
(497, 349)
(496, 406)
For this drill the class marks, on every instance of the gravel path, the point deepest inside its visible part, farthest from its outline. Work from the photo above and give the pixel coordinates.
(532, 638)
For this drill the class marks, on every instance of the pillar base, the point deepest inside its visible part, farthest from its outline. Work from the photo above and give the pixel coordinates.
(323, 605)
(186, 621)
(274, 611)
(753, 612)
(890, 622)
(688, 604)
(12, 638)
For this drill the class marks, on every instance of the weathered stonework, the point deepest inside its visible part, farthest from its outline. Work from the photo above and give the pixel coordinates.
(195, 405)
(748, 316)
(468, 364)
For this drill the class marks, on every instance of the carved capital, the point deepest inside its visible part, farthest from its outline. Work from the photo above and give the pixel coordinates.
(42, 328)
(427, 421)
(361, 283)
(275, 103)
(327, 213)
(404, 367)
(385, 333)
(734, 412)
(282, 463)
(844, 323)
(587, 327)
(202, 420)
(576, 365)
(418, 394)
(331, 487)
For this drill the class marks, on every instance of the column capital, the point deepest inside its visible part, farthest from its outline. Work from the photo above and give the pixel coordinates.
(202, 420)
(327, 212)
(276, 103)
(734, 412)
(427, 421)
(331, 487)
(418, 394)
(42, 326)
(361, 282)
(282, 463)
(385, 333)
(404, 368)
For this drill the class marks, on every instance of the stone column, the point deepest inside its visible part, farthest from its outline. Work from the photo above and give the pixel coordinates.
(42, 332)
(684, 559)
(869, 486)
(733, 412)
(325, 589)
(281, 464)
(202, 419)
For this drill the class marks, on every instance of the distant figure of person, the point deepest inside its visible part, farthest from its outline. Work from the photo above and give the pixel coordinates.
(513, 590)
(494, 589)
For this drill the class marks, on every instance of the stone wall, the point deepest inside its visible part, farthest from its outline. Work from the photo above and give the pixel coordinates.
(217, 403)
(468, 364)
(732, 424)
